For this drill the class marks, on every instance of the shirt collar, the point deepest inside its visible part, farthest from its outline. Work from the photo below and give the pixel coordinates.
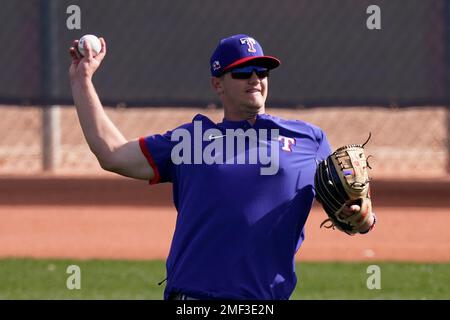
(242, 124)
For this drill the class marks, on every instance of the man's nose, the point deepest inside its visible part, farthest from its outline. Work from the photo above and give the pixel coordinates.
(254, 78)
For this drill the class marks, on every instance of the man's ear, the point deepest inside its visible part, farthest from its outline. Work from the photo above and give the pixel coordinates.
(217, 85)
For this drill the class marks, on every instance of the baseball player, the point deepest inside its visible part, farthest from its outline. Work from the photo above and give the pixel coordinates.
(237, 229)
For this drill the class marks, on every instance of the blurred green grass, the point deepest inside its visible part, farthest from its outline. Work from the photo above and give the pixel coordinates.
(112, 279)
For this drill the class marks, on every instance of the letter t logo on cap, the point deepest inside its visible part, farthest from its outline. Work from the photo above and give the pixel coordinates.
(250, 42)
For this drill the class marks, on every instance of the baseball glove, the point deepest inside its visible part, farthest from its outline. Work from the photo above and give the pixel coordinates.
(343, 179)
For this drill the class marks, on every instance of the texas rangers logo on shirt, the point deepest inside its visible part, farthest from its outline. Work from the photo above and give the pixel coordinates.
(286, 143)
(250, 42)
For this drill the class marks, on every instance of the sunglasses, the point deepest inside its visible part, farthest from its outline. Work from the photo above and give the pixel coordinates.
(246, 72)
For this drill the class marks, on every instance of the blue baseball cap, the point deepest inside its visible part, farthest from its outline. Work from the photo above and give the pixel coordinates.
(237, 50)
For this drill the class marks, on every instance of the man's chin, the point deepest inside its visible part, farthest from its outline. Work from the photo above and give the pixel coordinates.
(255, 104)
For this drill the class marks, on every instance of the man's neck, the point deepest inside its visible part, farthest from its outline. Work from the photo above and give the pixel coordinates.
(251, 118)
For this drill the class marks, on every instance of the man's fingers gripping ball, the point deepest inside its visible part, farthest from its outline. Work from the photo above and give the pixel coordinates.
(89, 42)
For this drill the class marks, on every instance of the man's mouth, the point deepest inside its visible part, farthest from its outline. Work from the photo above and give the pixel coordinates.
(253, 90)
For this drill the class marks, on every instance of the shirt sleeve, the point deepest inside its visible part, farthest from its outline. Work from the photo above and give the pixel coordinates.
(157, 150)
(324, 149)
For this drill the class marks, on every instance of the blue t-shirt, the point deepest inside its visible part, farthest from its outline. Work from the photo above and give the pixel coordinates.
(237, 230)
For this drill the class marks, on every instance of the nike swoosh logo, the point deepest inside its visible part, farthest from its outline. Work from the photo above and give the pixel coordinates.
(211, 137)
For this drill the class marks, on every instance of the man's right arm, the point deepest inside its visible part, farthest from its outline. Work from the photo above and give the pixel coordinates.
(112, 150)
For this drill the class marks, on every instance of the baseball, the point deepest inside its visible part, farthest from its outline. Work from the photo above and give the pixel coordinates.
(93, 42)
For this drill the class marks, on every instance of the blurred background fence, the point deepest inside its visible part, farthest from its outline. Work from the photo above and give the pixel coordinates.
(335, 73)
